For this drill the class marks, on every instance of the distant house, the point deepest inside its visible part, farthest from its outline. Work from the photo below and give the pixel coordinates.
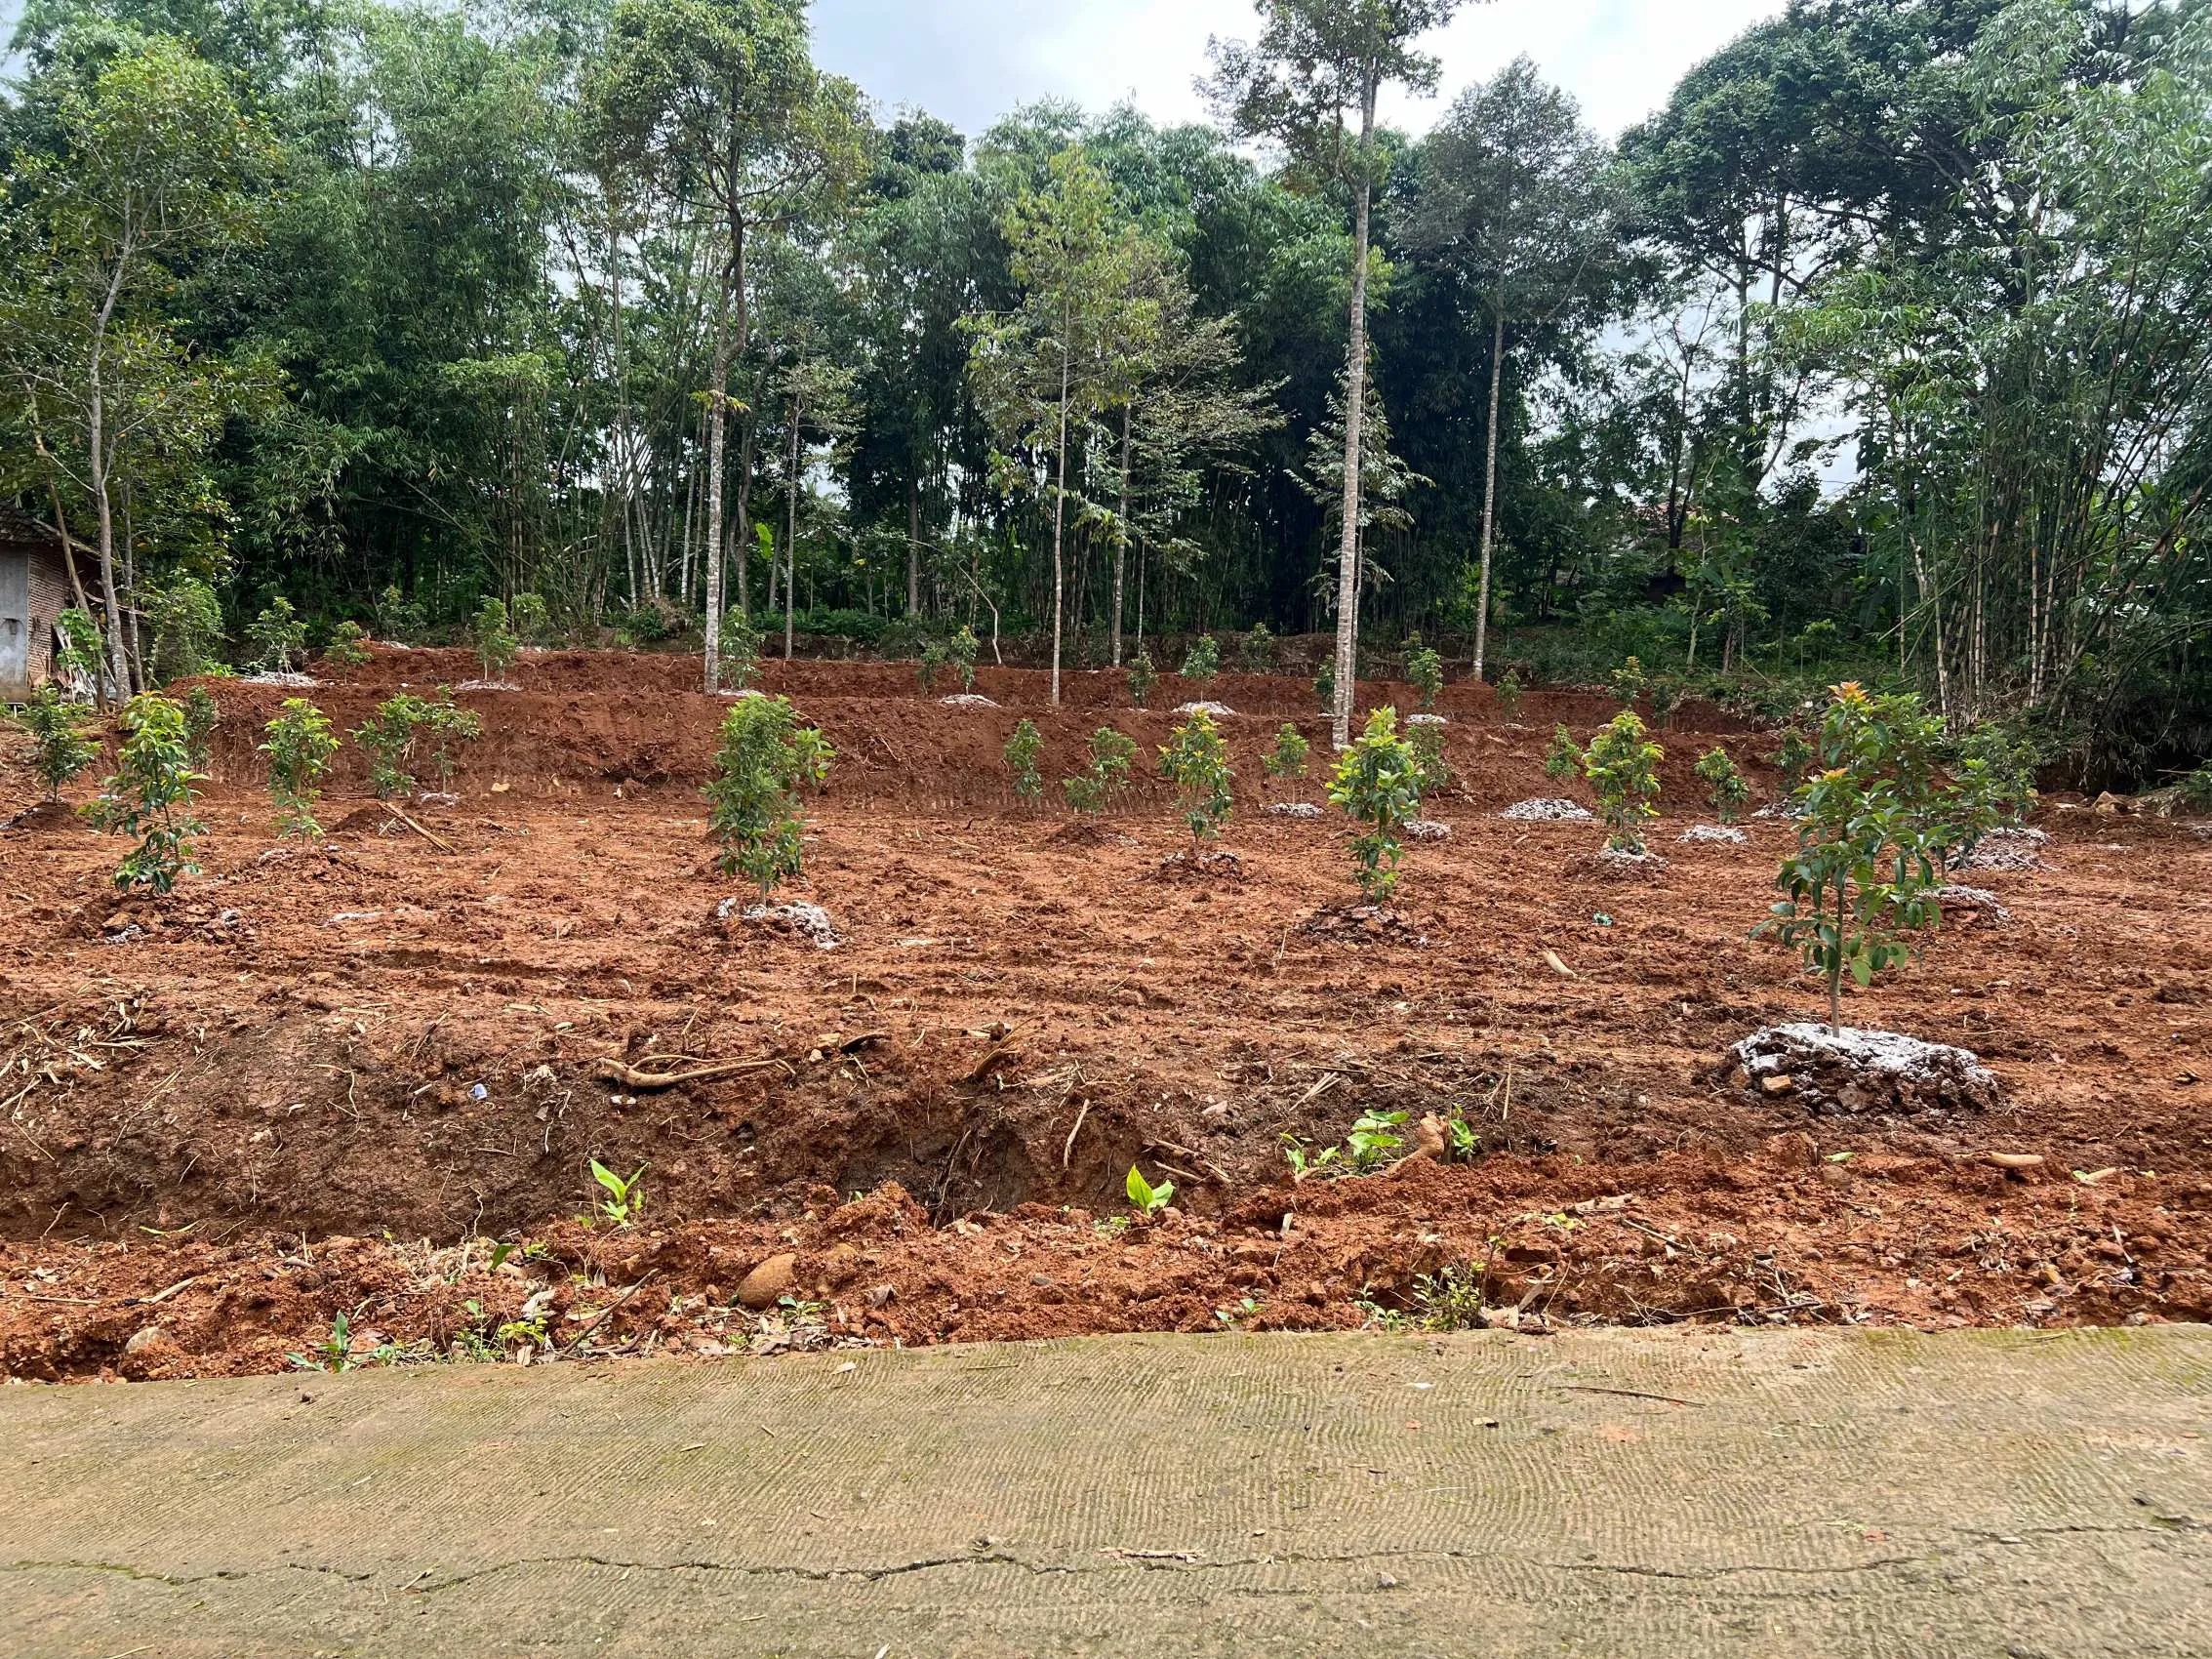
(34, 590)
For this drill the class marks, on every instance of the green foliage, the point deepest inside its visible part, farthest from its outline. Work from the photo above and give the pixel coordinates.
(1425, 673)
(447, 723)
(399, 619)
(1303, 1160)
(1564, 759)
(496, 644)
(2196, 788)
(346, 647)
(1021, 751)
(1877, 833)
(150, 797)
(1203, 661)
(960, 651)
(2003, 762)
(1378, 784)
(1622, 764)
(1372, 1138)
(738, 661)
(529, 617)
(1143, 675)
(1195, 761)
(277, 638)
(1325, 688)
(1666, 697)
(1288, 758)
(929, 664)
(1792, 755)
(1628, 681)
(1510, 694)
(1427, 743)
(624, 1200)
(1725, 787)
(387, 739)
(187, 629)
(299, 745)
(80, 648)
(1148, 1199)
(1111, 755)
(1451, 1299)
(764, 756)
(60, 749)
(201, 718)
(1255, 651)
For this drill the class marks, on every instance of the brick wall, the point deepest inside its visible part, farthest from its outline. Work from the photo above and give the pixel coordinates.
(49, 598)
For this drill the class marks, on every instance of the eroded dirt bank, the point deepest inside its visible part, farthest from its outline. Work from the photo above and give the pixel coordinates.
(303, 1085)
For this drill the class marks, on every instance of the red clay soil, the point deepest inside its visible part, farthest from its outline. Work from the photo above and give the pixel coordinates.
(319, 1081)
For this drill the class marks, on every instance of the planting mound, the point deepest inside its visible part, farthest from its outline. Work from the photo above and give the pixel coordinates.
(1851, 1070)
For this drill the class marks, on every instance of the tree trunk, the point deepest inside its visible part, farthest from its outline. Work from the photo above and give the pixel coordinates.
(1058, 515)
(914, 547)
(743, 547)
(1490, 490)
(1122, 537)
(791, 531)
(1355, 407)
(717, 422)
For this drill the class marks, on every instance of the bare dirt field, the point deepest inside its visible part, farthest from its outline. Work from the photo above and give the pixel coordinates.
(322, 1080)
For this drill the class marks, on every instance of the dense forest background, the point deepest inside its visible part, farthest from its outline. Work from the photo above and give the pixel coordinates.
(1880, 351)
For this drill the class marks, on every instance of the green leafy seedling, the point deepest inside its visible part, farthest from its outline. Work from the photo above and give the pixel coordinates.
(496, 644)
(347, 645)
(1725, 785)
(624, 1201)
(1021, 751)
(1564, 759)
(960, 651)
(1374, 1138)
(763, 757)
(278, 637)
(1256, 652)
(1111, 757)
(150, 797)
(1288, 759)
(1148, 1199)
(1143, 675)
(1425, 673)
(61, 749)
(1203, 661)
(1377, 784)
(740, 655)
(1622, 764)
(1195, 761)
(299, 745)
(1509, 693)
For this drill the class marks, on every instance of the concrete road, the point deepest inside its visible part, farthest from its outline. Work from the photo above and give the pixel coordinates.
(1676, 1495)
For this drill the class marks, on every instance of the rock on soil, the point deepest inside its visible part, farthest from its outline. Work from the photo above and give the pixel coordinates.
(298, 682)
(1427, 720)
(1426, 829)
(2007, 849)
(487, 685)
(1364, 923)
(812, 920)
(1215, 708)
(1294, 809)
(968, 700)
(1977, 898)
(1725, 833)
(1789, 809)
(1854, 1071)
(1548, 811)
(769, 1281)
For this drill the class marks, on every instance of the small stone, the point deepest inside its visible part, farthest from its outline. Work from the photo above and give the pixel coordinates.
(142, 1340)
(1781, 1083)
(769, 1281)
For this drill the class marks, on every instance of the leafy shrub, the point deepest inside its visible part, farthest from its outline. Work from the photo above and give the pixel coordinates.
(150, 797)
(277, 637)
(930, 661)
(1666, 697)
(1628, 681)
(346, 647)
(1288, 758)
(1425, 673)
(1509, 693)
(960, 651)
(1196, 761)
(2196, 788)
(80, 651)
(1564, 759)
(1203, 661)
(1111, 755)
(1427, 744)
(647, 623)
(1325, 688)
(1142, 674)
(1725, 787)
(1622, 764)
(399, 619)
(765, 754)
(1378, 784)
(387, 739)
(1792, 756)
(496, 644)
(201, 718)
(448, 724)
(533, 623)
(187, 629)
(739, 658)
(1255, 651)
(2006, 772)
(60, 749)
(1021, 751)
(299, 745)
(1874, 843)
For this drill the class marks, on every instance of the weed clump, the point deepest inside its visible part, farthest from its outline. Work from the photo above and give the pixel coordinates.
(150, 797)
(1196, 761)
(1378, 784)
(60, 749)
(764, 757)
(299, 745)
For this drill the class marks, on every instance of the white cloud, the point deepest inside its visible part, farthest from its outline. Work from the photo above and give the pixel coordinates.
(971, 60)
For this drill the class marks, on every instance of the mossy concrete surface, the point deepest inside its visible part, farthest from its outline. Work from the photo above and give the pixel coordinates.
(1623, 1494)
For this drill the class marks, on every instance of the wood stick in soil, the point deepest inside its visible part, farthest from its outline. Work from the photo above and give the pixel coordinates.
(613, 1070)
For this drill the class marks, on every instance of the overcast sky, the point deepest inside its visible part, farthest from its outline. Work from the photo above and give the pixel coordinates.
(971, 60)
